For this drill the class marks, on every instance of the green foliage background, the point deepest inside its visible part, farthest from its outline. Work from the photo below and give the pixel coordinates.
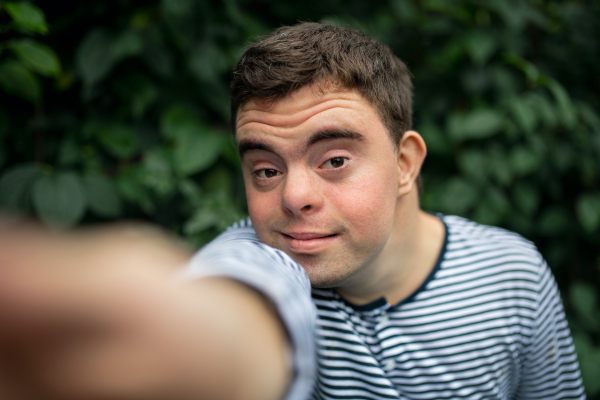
(113, 109)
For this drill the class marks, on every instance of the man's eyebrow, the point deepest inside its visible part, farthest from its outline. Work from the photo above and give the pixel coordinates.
(246, 145)
(333, 134)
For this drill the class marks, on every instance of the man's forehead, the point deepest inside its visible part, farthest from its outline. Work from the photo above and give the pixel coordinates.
(297, 107)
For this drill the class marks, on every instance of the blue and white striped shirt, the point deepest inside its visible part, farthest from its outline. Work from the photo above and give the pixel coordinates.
(487, 323)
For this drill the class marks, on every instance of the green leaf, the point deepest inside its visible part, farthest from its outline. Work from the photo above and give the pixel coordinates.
(478, 124)
(546, 112)
(15, 186)
(119, 140)
(459, 195)
(207, 61)
(202, 219)
(27, 16)
(588, 211)
(474, 164)
(553, 221)
(94, 58)
(480, 46)
(37, 56)
(584, 299)
(498, 165)
(59, 199)
(526, 197)
(130, 183)
(17, 80)
(127, 44)
(101, 195)
(523, 114)
(176, 119)
(178, 7)
(523, 160)
(158, 171)
(195, 150)
(434, 138)
(565, 105)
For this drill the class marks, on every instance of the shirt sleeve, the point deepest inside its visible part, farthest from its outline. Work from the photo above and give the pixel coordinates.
(238, 254)
(550, 368)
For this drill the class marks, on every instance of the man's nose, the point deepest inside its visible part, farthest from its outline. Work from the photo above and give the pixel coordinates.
(301, 192)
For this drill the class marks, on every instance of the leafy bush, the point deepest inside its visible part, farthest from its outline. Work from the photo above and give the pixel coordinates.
(119, 109)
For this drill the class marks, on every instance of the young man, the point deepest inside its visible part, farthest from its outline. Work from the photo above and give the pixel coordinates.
(409, 305)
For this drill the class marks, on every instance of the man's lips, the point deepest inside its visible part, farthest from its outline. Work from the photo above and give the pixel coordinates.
(308, 242)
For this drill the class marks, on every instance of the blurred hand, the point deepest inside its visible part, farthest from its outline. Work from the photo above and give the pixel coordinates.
(97, 314)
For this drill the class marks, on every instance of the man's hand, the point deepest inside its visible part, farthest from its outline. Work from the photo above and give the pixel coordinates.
(98, 314)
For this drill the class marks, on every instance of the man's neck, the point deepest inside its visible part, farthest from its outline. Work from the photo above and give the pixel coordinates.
(405, 262)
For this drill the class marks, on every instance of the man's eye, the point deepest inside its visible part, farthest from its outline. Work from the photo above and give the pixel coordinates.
(267, 173)
(336, 162)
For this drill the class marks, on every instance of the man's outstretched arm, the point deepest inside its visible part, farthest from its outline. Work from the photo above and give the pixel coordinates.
(98, 315)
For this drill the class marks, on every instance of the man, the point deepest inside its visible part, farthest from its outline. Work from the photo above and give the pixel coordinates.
(409, 305)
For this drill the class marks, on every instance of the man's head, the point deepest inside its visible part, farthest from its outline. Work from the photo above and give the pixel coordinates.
(293, 57)
(321, 116)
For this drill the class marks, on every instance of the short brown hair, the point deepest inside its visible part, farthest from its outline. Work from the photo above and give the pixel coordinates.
(292, 57)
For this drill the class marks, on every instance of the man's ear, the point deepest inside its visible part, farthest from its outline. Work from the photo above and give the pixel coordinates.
(411, 154)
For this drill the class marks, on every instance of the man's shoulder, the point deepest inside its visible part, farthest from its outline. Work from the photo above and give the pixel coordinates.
(463, 232)
(471, 242)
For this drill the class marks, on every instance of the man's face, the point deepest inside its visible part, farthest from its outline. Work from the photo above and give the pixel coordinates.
(321, 176)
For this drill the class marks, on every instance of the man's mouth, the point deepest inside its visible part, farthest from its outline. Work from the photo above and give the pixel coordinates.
(308, 242)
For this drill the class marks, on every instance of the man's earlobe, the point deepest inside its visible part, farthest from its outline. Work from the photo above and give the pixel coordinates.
(411, 154)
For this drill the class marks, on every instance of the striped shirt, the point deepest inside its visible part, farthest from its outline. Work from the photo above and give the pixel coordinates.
(487, 323)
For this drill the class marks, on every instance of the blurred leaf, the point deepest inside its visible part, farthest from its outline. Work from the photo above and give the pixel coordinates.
(195, 150)
(130, 184)
(178, 7)
(545, 110)
(59, 199)
(177, 119)
(523, 113)
(158, 58)
(480, 46)
(565, 106)
(522, 160)
(474, 164)
(553, 221)
(404, 10)
(15, 186)
(486, 214)
(434, 138)
(27, 16)
(219, 181)
(459, 195)
(588, 211)
(69, 152)
(158, 172)
(36, 56)
(584, 299)
(478, 124)
(498, 165)
(101, 195)
(120, 140)
(19, 81)
(207, 62)
(202, 219)
(128, 44)
(526, 197)
(94, 58)
(140, 91)
(230, 152)
(588, 356)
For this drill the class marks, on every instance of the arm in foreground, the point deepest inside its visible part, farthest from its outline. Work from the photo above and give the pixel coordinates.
(98, 315)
